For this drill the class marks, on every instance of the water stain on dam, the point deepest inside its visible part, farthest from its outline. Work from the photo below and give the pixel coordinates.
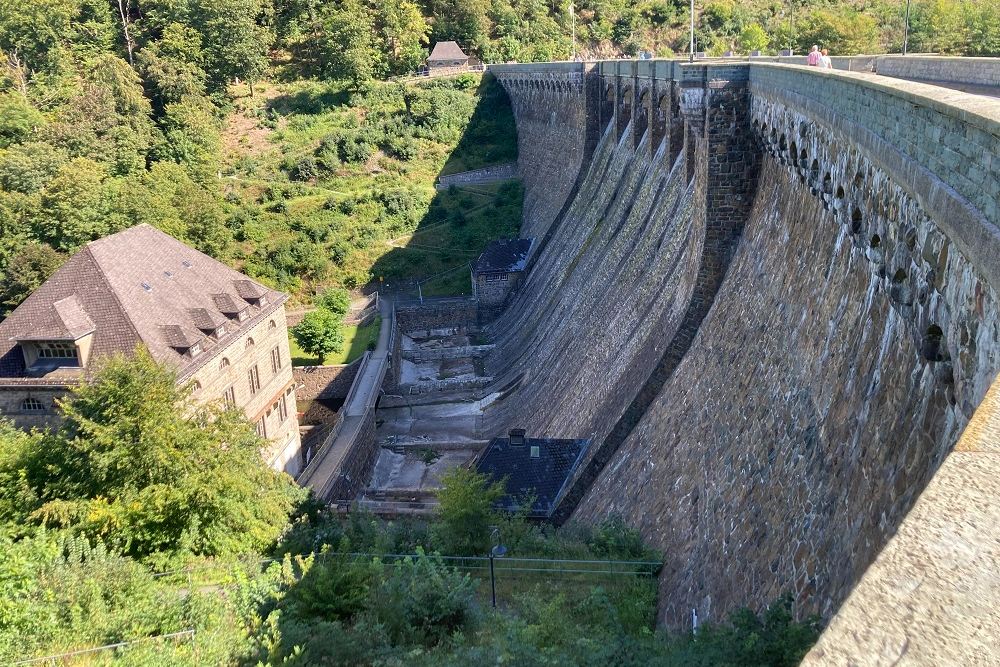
(835, 329)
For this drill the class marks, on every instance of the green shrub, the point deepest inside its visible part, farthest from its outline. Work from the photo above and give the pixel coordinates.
(465, 512)
(335, 299)
(332, 588)
(423, 601)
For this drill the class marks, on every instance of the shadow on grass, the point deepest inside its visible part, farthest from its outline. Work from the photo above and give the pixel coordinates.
(461, 220)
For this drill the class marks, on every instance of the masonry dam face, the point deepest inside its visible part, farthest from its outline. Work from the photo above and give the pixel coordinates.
(768, 295)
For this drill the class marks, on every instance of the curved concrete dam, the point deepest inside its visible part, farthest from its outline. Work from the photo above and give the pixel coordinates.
(768, 293)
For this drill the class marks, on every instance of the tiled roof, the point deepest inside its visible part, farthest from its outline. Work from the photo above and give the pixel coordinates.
(505, 255)
(137, 286)
(205, 319)
(447, 51)
(543, 477)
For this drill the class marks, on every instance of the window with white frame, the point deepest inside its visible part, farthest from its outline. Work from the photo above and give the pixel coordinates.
(57, 350)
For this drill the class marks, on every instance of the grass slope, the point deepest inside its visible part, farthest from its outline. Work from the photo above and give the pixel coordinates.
(337, 187)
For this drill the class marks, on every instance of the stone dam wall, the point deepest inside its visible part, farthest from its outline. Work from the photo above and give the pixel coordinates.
(769, 297)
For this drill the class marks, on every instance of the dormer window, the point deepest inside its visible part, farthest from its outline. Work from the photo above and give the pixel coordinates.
(220, 331)
(243, 315)
(195, 350)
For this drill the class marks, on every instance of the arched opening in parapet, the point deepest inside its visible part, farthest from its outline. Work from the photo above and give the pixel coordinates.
(899, 276)
(608, 105)
(856, 221)
(840, 192)
(642, 115)
(827, 184)
(933, 342)
(782, 146)
(793, 154)
(876, 240)
(814, 170)
(803, 158)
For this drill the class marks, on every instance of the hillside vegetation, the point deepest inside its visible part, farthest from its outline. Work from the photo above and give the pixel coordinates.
(256, 130)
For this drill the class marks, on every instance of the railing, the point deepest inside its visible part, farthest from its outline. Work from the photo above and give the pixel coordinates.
(62, 657)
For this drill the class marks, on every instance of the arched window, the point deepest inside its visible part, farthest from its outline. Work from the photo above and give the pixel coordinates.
(856, 221)
(196, 386)
(32, 404)
(876, 240)
(271, 325)
(224, 363)
(249, 343)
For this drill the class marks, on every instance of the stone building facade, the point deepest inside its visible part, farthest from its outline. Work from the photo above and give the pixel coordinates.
(220, 331)
(498, 273)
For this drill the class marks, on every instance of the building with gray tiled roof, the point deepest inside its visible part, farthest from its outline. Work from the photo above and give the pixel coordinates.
(217, 328)
(447, 56)
(497, 274)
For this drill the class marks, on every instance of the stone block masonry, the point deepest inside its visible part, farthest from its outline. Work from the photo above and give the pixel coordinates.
(824, 322)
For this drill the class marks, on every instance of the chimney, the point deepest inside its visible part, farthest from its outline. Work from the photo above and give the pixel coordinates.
(517, 437)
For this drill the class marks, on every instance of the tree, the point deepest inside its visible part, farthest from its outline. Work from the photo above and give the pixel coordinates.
(348, 43)
(319, 333)
(335, 299)
(753, 38)
(404, 29)
(28, 267)
(465, 512)
(137, 464)
(844, 32)
(236, 39)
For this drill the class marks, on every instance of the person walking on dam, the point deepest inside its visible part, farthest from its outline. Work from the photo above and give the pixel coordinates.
(814, 56)
(824, 60)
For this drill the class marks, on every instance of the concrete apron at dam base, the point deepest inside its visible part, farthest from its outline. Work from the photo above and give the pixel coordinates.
(768, 293)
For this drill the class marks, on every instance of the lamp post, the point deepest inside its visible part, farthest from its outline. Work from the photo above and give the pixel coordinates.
(572, 16)
(692, 31)
(497, 551)
(906, 27)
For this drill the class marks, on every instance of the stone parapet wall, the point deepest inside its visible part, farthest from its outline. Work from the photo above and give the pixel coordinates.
(358, 462)
(497, 172)
(973, 71)
(436, 314)
(320, 382)
(441, 353)
(944, 154)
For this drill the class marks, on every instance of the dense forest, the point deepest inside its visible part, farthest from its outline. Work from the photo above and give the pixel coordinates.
(255, 130)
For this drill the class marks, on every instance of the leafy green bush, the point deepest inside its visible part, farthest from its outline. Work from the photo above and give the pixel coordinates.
(423, 601)
(335, 299)
(466, 512)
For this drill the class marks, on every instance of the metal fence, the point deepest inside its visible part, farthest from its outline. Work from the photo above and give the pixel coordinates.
(510, 575)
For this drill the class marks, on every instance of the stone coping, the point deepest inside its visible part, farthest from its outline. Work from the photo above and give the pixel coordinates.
(976, 110)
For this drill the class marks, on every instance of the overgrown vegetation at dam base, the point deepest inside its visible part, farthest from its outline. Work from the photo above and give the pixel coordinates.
(101, 545)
